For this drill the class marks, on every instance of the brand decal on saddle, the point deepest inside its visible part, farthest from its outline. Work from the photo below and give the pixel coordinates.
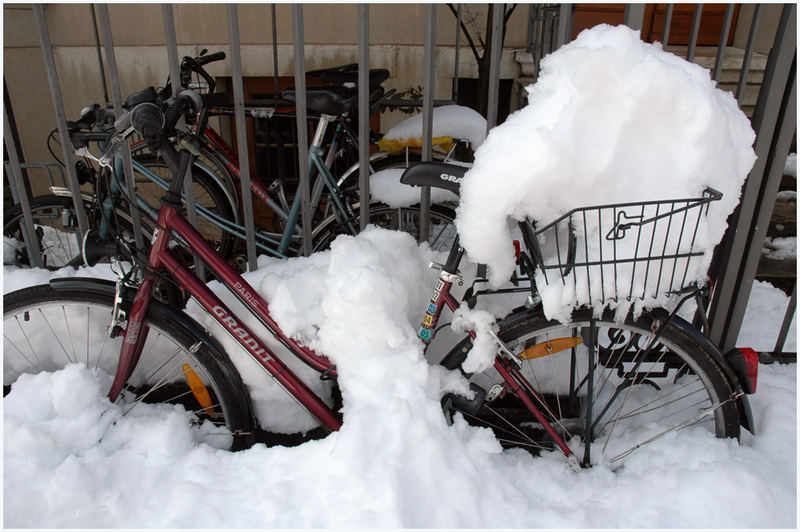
(250, 342)
(451, 178)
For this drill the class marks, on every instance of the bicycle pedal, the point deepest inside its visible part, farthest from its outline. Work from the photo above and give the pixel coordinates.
(470, 406)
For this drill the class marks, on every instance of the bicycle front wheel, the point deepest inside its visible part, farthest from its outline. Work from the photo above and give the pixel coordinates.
(46, 329)
(644, 379)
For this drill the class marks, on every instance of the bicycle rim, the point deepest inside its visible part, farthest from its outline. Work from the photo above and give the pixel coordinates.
(638, 385)
(46, 330)
(55, 229)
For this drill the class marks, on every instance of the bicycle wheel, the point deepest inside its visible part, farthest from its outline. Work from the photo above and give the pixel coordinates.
(607, 404)
(46, 329)
(56, 228)
(207, 194)
(407, 219)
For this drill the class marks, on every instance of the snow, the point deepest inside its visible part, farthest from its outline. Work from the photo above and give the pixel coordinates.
(781, 247)
(790, 168)
(72, 459)
(611, 119)
(454, 121)
(385, 186)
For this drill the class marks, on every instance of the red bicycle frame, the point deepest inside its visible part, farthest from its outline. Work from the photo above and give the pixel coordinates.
(170, 221)
(160, 258)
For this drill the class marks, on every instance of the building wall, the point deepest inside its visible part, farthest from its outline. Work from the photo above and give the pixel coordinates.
(331, 36)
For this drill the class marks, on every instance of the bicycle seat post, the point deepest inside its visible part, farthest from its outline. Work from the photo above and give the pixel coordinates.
(319, 134)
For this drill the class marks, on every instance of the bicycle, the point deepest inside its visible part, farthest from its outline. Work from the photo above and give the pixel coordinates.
(654, 355)
(218, 216)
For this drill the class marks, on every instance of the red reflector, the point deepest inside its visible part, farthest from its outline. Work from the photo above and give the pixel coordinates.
(517, 249)
(751, 362)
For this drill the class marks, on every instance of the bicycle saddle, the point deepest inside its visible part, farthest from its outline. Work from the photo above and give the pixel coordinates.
(325, 100)
(434, 174)
(340, 77)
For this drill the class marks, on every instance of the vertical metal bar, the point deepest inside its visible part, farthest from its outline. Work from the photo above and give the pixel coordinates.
(499, 11)
(564, 31)
(667, 23)
(302, 123)
(116, 98)
(99, 55)
(175, 81)
(241, 135)
(729, 280)
(748, 54)
(532, 28)
(275, 51)
(58, 107)
(459, 14)
(172, 47)
(634, 16)
(698, 12)
(758, 233)
(427, 118)
(787, 321)
(28, 231)
(723, 41)
(363, 113)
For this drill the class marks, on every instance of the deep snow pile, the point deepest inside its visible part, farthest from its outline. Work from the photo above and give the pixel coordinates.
(71, 459)
(611, 119)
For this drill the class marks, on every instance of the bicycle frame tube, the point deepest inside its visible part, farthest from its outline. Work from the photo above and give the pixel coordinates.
(511, 376)
(160, 258)
(264, 241)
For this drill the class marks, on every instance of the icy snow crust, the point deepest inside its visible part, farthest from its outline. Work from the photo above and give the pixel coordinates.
(611, 119)
(454, 121)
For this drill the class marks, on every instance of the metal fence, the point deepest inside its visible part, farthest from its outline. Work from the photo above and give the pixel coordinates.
(550, 26)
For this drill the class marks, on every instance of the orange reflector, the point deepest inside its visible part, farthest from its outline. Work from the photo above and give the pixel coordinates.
(198, 389)
(550, 347)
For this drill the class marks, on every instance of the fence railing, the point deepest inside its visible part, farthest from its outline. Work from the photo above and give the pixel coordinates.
(550, 26)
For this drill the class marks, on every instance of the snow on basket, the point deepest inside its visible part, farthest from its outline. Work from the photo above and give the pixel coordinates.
(612, 121)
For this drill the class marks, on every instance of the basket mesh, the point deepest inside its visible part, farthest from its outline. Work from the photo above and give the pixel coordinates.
(623, 251)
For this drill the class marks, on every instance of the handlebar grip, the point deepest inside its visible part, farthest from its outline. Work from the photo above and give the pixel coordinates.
(148, 120)
(206, 59)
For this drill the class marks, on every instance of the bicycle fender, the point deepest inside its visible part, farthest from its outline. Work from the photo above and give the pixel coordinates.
(745, 412)
(108, 288)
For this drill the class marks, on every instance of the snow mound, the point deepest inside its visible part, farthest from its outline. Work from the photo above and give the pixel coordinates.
(611, 119)
(448, 121)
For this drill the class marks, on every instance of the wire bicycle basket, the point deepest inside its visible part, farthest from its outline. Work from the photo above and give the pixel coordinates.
(630, 251)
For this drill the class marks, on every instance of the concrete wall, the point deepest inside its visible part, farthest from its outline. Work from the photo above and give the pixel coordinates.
(331, 36)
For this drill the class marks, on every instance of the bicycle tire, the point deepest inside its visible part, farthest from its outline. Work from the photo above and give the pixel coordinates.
(207, 193)
(56, 226)
(637, 394)
(35, 319)
(443, 230)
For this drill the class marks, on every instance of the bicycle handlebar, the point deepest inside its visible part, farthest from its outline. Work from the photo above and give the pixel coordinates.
(202, 60)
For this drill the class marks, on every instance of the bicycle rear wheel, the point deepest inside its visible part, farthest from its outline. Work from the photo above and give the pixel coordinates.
(207, 194)
(46, 329)
(605, 403)
(56, 227)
